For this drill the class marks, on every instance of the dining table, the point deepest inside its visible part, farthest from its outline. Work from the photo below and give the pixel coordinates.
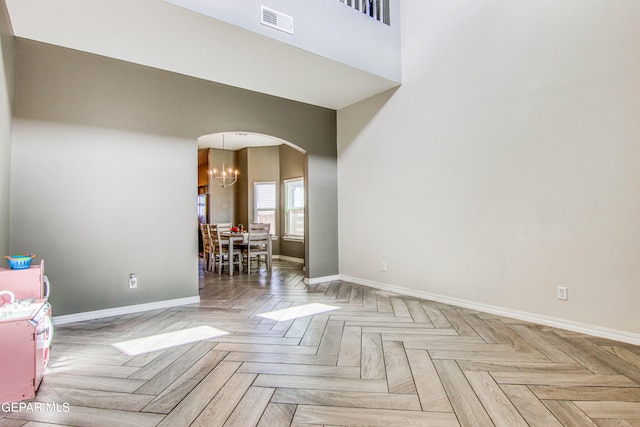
(235, 237)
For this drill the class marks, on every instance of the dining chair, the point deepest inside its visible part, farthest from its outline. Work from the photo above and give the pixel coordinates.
(207, 246)
(221, 253)
(223, 226)
(258, 245)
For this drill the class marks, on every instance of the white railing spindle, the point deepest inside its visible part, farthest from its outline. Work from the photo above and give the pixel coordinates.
(376, 9)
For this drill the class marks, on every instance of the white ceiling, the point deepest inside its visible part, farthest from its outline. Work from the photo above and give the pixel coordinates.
(161, 35)
(238, 140)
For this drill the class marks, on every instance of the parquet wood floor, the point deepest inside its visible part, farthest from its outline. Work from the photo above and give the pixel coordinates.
(381, 359)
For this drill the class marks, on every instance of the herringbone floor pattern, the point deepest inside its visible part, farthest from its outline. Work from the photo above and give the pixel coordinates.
(381, 359)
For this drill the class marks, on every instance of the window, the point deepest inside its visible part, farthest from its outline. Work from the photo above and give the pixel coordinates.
(294, 208)
(264, 194)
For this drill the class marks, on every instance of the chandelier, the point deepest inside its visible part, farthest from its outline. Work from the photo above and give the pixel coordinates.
(225, 177)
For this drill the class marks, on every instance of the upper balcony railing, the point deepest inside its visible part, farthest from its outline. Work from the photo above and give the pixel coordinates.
(323, 28)
(376, 9)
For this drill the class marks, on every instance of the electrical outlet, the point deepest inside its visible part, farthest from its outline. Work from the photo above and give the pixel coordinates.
(383, 267)
(563, 293)
(133, 281)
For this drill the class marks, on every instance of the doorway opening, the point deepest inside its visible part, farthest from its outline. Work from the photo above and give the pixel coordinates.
(266, 167)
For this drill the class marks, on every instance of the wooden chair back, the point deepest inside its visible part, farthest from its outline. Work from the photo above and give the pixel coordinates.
(259, 234)
(221, 248)
(223, 226)
(206, 241)
(259, 244)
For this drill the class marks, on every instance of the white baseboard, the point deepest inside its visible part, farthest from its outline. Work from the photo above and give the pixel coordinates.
(316, 280)
(119, 311)
(289, 258)
(568, 325)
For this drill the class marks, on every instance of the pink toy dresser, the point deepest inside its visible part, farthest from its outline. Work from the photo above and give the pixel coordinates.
(27, 283)
(26, 330)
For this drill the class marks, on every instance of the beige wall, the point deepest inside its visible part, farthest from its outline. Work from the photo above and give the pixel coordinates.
(104, 172)
(6, 90)
(376, 50)
(242, 202)
(507, 163)
(263, 165)
(223, 201)
(162, 36)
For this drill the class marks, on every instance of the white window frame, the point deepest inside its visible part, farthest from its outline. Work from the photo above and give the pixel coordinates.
(287, 209)
(256, 211)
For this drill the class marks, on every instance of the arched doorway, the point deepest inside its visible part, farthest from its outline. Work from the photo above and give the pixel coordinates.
(270, 186)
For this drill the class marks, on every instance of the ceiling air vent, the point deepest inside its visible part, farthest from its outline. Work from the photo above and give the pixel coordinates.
(275, 19)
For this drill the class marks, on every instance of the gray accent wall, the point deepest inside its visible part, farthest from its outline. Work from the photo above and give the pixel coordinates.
(98, 204)
(263, 165)
(6, 90)
(242, 202)
(322, 204)
(104, 176)
(222, 201)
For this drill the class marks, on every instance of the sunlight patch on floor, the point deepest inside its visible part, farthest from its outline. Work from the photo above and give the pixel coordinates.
(167, 340)
(298, 311)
